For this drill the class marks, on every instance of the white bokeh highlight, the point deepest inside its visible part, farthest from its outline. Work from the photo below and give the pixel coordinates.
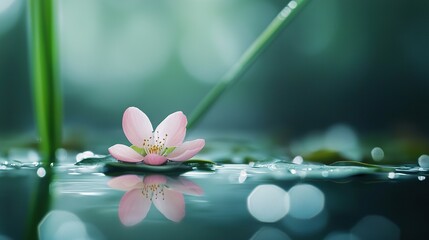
(375, 227)
(268, 203)
(377, 154)
(306, 201)
(64, 225)
(424, 161)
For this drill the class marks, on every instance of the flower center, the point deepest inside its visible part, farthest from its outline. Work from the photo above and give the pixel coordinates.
(153, 191)
(155, 146)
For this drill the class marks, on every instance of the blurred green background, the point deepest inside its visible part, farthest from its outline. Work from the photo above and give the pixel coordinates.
(361, 63)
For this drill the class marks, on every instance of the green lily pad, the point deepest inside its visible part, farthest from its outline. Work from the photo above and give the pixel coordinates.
(118, 168)
(114, 167)
(173, 168)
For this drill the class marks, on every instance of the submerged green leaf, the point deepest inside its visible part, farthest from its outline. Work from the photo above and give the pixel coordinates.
(95, 161)
(325, 156)
(361, 164)
(199, 161)
(201, 164)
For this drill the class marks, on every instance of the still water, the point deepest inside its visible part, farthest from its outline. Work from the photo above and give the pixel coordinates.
(275, 199)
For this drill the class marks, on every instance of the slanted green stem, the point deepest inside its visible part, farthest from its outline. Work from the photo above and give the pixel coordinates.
(249, 56)
(46, 85)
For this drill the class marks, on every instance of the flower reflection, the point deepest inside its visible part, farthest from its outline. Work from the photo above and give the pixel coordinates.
(164, 192)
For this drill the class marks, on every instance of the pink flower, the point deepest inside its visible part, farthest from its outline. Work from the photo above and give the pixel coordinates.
(155, 147)
(165, 193)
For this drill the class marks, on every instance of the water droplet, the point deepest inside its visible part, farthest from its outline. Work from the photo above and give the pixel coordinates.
(11, 164)
(41, 172)
(292, 4)
(424, 161)
(377, 154)
(272, 166)
(298, 160)
(391, 175)
(243, 176)
(83, 155)
(285, 12)
(421, 178)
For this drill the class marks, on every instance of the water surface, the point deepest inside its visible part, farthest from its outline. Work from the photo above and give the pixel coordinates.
(274, 199)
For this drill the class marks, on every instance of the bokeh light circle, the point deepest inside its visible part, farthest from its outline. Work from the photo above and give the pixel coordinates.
(268, 203)
(306, 201)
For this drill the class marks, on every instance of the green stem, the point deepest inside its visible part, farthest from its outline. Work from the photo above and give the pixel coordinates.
(39, 205)
(44, 62)
(250, 55)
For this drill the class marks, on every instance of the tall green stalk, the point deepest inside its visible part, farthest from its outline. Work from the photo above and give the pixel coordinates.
(40, 204)
(47, 98)
(250, 55)
(44, 62)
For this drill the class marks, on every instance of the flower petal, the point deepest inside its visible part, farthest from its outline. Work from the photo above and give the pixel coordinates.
(171, 205)
(154, 159)
(173, 129)
(125, 153)
(133, 207)
(154, 179)
(186, 150)
(125, 182)
(136, 126)
(185, 186)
